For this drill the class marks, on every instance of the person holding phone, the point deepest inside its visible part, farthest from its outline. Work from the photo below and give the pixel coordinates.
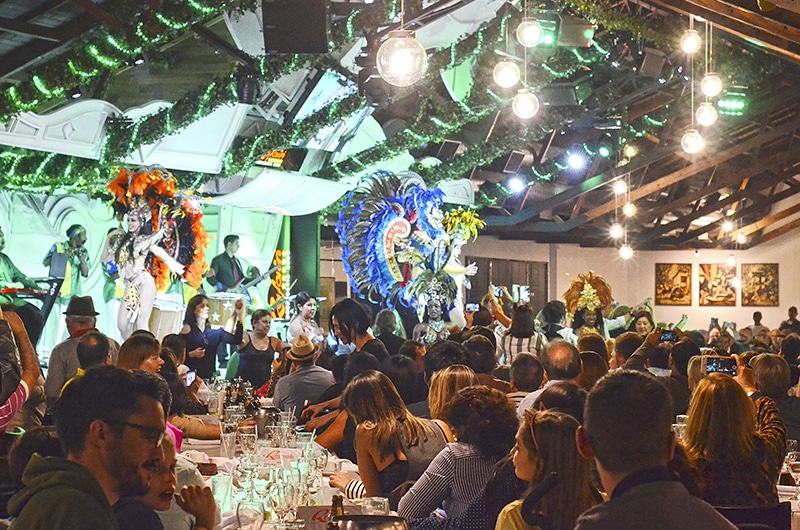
(739, 449)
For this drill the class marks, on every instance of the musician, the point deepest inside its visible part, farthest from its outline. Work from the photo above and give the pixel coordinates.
(77, 262)
(226, 271)
(11, 277)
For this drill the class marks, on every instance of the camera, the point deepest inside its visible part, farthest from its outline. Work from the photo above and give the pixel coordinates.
(498, 291)
(722, 364)
(669, 336)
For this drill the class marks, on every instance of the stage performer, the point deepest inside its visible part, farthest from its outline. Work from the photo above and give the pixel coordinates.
(587, 298)
(148, 252)
(226, 273)
(202, 340)
(462, 226)
(77, 262)
(11, 277)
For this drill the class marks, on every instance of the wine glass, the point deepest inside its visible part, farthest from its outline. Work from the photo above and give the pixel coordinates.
(281, 498)
(791, 447)
(794, 469)
(248, 438)
(250, 515)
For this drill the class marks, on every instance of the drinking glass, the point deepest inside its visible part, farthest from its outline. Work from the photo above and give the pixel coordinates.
(222, 489)
(794, 469)
(250, 515)
(791, 447)
(228, 439)
(248, 438)
(281, 498)
(375, 506)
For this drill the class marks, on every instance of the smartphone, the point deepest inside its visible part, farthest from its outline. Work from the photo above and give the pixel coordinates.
(669, 336)
(722, 364)
(191, 375)
(715, 322)
(524, 294)
(498, 292)
(471, 308)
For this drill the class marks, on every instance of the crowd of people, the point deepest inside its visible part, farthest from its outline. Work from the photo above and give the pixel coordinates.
(518, 423)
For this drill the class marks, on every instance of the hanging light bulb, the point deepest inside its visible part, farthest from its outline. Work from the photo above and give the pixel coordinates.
(630, 151)
(727, 226)
(620, 187)
(736, 281)
(706, 114)
(401, 59)
(629, 210)
(691, 41)
(741, 238)
(692, 142)
(525, 104)
(529, 32)
(616, 231)
(731, 261)
(711, 85)
(625, 251)
(506, 73)
(516, 184)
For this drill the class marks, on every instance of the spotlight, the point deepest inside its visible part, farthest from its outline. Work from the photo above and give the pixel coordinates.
(741, 239)
(625, 251)
(616, 231)
(711, 85)
(630, 151)
(692, 142)
(525, 104)
(706, 114)
(731, 261)
(516, 184)
(247, 86)
(506, 73)
(727, 226)
(620, 187)
(604, 149)
(529, 32)
(691, 41)
(576, 161)
(629, 210)
(401, 59)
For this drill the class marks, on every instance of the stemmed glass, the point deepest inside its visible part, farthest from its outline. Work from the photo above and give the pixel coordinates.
(281, 498)
(250, 515)
(248, 439)
(794, 469)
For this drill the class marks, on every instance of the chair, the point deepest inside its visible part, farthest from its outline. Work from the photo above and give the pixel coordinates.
(778, 516)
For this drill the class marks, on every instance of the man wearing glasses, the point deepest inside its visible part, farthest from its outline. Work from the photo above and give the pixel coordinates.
(110, 423)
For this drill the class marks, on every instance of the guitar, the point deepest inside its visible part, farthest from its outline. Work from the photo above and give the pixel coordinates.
(241, 287)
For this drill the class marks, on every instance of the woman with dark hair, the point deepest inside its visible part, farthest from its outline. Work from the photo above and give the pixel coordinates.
(303, 322)
(589, 321)
(594, 367)
(642, 323)
(460, 470)
(393, 447)
(140, 352)
(350, 322)
(553, 314)
(735, 445)
(545, 445)
(257, 350)
(202, 340)
(564, 397)
(522, 336)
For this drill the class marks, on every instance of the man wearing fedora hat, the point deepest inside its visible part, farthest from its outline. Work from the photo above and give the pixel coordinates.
(307, 381)
(81, 318)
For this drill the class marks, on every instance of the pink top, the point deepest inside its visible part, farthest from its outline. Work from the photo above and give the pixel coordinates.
(14, 402)
(176, 434)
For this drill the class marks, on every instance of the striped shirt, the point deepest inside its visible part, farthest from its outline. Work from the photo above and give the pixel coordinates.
(12, 405)
(515, 345)
(452, 480)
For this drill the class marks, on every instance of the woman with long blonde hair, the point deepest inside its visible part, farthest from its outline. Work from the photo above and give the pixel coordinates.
(545, 444)
(735, 446)
(393, 446)
(445, 384)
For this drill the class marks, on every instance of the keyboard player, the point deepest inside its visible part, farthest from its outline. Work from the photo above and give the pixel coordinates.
(11, 279)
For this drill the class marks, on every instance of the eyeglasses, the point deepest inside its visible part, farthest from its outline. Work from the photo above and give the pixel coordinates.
(153, 434)
(530, 419)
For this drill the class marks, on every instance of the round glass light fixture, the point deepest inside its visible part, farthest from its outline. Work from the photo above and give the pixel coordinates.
(401, 59)
(620, 187)
(741, 239)
(625, 251)
(630, 151)
(692, 142)
(711, 85)
(525, 104)
(731, 261)
(516, 185)
(529, 32)
(706, 114)
(691, 41)
(616, 231)
(576, 161)
(506, 73)
(629, 210)
(727, 226)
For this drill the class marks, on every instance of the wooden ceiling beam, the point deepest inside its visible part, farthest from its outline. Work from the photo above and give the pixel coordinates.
(767, 221)
(20, 27)
(784, 229)
(96, 12)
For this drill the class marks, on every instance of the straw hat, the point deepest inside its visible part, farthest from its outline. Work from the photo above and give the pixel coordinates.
(302, 349)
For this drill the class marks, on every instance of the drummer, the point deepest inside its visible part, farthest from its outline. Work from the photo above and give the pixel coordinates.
(202, 340)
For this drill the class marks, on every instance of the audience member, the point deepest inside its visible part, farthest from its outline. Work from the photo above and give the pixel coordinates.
(350, 322)
(790, 350)
(527, 374)
(553, 314)
(594, 367)
(110, 424)
(400, 370)
(94, 349)
(627, 431)
(694, 372)
(624, 346)
(459, 472)
(483, 362)
(593, 342)
(306, 383)
(545, 446)
(756, 328)
(562, 362)
(81, 318)
(521, 336)
(562, 396)
(140, 352)
(791, 325)
(386, 330)
(20, 368)
(445, 384)
(773, 380)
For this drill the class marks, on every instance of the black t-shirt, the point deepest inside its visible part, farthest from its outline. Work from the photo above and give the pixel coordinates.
(376, 348)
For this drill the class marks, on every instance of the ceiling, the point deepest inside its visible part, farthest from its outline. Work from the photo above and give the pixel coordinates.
(747, 175)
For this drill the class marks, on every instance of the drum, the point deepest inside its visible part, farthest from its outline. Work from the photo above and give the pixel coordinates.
(220, 309)
(166, 318)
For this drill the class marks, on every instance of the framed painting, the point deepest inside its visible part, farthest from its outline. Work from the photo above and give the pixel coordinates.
(673, 284)
(716, 284)
(760, 284)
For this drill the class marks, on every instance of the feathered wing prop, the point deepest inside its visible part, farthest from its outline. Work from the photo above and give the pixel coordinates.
(589, 291)
(185, 238)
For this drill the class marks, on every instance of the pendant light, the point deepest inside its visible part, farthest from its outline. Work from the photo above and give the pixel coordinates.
(401, 59)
